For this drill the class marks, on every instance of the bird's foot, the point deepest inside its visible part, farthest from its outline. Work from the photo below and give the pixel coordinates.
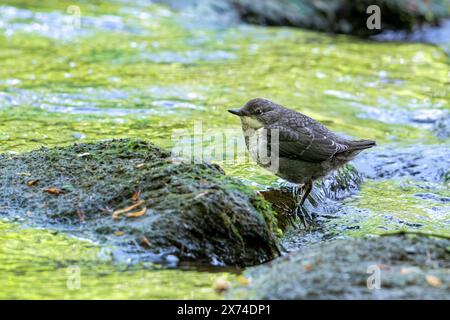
(306, 218)
(300, 210)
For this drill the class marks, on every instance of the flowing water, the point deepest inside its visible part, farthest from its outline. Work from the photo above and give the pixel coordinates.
(134, 69)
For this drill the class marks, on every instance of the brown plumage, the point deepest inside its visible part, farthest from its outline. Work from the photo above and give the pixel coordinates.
(307, 150)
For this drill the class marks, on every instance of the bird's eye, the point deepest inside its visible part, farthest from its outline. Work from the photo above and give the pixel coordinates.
(258, 111)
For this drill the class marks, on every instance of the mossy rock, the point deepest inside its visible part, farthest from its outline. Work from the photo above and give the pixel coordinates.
(396, 266)
(193, 211)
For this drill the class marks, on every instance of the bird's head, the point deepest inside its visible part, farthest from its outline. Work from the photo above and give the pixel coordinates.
(257, 113)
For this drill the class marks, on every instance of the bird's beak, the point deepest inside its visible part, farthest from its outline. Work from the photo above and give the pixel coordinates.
(237, 112)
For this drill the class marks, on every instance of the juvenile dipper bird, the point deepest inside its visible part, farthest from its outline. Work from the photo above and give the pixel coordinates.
(305, 150)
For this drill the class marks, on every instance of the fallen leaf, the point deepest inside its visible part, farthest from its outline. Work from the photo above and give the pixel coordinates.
(107, 209)
(200, 195)
(24, 174)
(383, 266)
(136, 195)
(136, 214)
(116, 214)
(405, 271)
(243, 280)
(140, 165)
(145, 242)
(83, 155)
(54, 191)
(221, 285)
(308, 266)
(119, 233)
(33, 182)
(433, 281)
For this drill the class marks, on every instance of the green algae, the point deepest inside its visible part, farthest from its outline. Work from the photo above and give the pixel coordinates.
(285, 66)
(39, 264)
(91, 7)
(289, 86)
(390, 205)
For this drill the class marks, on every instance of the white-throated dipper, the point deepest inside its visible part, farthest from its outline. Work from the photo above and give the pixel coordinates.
(306, 149)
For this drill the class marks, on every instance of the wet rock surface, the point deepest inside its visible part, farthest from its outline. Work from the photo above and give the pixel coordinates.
(399, 18)
(409, 267)
(131, 194)
(419, 162)
(341, 16)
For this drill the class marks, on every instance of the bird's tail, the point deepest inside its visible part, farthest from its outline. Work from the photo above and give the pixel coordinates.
(361, 144)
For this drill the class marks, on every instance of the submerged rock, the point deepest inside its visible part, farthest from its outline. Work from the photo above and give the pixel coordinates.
(342, 16)
(409, 267)
(131, 193)
(419, 162)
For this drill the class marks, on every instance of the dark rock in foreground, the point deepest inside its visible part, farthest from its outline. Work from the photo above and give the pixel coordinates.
(410, 267)
(342, 16)
(130, 192)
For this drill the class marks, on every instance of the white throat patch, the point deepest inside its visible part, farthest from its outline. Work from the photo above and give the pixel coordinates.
(251, 122)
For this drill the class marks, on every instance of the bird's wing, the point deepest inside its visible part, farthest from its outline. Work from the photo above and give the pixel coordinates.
(306, 143)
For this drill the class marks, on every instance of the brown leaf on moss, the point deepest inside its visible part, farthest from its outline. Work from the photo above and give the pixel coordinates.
(54, 191)
(32, 183)
(308, 266)
(433, 281)
(221, 285)
(136, 214)
(136, 195)
(119, 233)
(116, 214)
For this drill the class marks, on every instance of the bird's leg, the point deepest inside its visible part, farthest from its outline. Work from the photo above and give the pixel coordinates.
(300, 210)
(307, 189)
(296, 191)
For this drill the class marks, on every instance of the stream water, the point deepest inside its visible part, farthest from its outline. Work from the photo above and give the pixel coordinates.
(133, 69)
